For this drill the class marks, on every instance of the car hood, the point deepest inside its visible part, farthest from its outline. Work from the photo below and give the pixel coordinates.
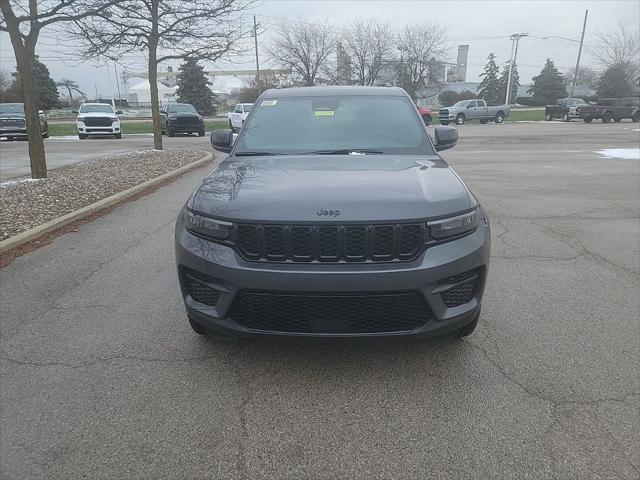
(311, 188)
(97, 114)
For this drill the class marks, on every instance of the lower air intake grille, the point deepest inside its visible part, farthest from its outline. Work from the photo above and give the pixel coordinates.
(201, 292)
(464, 291)
(330, 313)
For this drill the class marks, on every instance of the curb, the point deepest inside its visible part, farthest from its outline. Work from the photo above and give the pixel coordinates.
(40, 230)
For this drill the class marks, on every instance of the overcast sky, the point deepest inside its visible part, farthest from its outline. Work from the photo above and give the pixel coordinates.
(473, 22)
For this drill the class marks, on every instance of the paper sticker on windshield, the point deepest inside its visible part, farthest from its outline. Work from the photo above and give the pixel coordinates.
(323, 113)
(268, 103)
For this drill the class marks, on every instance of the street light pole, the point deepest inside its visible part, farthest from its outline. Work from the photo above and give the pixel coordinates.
(575, 74)
(255, 38)
(515, 38)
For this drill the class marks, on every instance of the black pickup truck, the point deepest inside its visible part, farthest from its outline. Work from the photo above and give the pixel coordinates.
(615, 109)
(565, 108)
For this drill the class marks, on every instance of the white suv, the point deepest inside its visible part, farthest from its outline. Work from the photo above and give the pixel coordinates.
(98, 119)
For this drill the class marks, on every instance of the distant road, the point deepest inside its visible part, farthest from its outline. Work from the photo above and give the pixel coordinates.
(61, 151)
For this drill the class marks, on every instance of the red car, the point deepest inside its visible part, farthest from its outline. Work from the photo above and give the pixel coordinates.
(426, 115)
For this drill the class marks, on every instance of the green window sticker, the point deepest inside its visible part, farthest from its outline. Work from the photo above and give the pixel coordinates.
(268, 103)
(323, 113)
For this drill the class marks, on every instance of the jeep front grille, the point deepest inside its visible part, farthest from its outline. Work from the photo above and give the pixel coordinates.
(330, 243)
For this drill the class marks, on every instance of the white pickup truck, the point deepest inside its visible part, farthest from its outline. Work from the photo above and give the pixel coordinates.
(239, 115)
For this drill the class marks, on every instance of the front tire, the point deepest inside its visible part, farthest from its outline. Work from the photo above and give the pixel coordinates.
(469, 327)
(499, 117)
(636, 117)
(117, 135)
(587, 119)
(607, 117)
(548, 117)
(566, 118)
(201, 133)
(484, 122)
(170, 132)
(460, 119)
(617, 119)
(426, 119)
(82, 136)
(45, 134)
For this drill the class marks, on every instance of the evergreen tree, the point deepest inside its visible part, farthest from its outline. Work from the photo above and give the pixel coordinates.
(193, 87)
(616, 81)
(515, 83)
(489, 88)
(47, 90)
(549, 85)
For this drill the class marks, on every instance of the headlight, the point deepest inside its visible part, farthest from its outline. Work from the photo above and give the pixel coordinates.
(207, 227)
(80, 122)
(454, 226)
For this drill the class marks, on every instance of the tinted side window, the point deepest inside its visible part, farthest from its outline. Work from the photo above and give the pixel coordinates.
(238, 109)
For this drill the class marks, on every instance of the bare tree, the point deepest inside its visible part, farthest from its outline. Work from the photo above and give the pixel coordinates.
(163, 30)
(423, 47)
(71, 87)
(620, 46)
(370, 45)
(587, 77)
(303, 48)
(24, 20)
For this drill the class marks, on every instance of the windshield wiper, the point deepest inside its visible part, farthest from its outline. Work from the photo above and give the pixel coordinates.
(342, 151)
(255, 154)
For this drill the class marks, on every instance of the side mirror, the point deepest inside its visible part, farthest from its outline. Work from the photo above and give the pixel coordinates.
(118, 112)
(446, 137)
(74, 111)
(222, 139)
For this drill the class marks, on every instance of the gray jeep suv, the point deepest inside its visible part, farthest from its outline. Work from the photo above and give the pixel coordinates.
(333, 216)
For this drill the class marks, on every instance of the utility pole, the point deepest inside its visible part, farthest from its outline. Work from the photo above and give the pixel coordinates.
(115, 69)
(401, 67)
(255, 38)
(515, 38)
(575, 74)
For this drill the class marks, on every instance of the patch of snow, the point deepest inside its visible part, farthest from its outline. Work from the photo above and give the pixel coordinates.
(24, 180)
(624, 153)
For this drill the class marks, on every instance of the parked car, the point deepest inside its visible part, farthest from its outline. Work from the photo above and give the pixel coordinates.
(474, 109)
(13, 123)
(98, 119)
(615, 109)
(426, 114)
(181, 118)
(333, 216)
(239, 115)
(566, 109)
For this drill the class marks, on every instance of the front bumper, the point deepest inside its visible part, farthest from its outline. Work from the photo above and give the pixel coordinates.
(112, 130)
(185, 128)
(225, 271)
(13, 132)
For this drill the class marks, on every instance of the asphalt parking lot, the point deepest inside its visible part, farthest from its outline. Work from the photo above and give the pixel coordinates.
(101, 377)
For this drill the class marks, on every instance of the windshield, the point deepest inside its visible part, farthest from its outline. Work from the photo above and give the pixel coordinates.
(100, 108)
(181, 108)
(17, 108)
(295, 125)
